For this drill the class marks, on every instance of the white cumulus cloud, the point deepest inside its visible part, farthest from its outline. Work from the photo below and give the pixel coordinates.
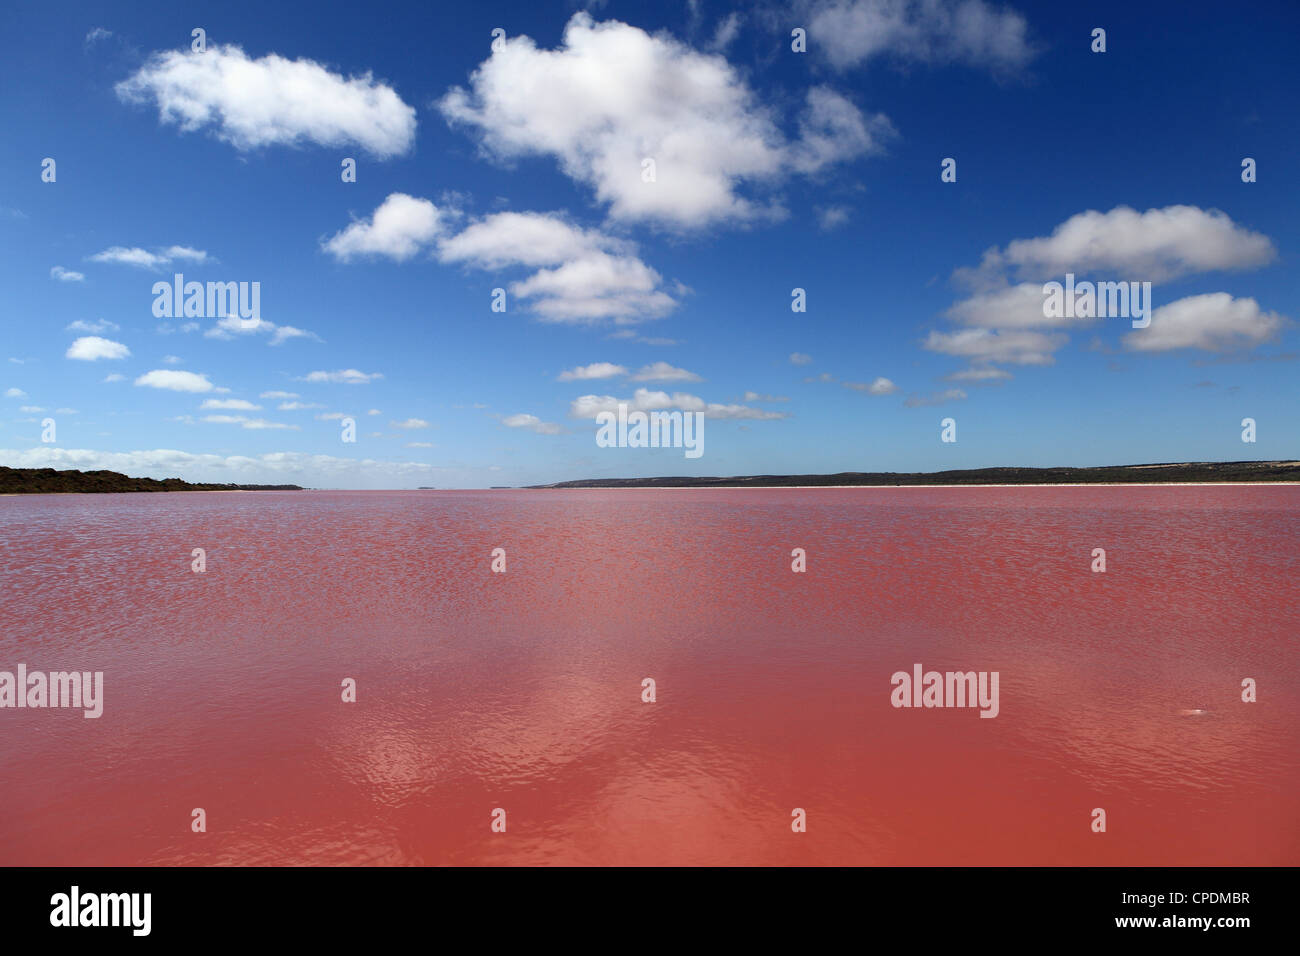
(90, 348)
(272, 100)
(612, 95)
(1152, 246)
(591, 277)
(1215, 322)
(397, 230)
(176, 381)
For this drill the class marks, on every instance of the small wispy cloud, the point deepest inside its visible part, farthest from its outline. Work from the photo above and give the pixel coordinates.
(144, 259)
(881, 386)
(256, 424)
(663, 372)
(346, 376)
(230, 404)
(832, 217)
(99, 325)
(935, 398)
(981, 375)
(595, 370)
(533, 424)
(231, 327)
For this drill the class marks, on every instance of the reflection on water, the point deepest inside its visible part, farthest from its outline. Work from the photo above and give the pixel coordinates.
(523, 690)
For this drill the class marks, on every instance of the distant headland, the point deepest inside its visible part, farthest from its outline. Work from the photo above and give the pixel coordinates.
(37, 481)
(1170, 473)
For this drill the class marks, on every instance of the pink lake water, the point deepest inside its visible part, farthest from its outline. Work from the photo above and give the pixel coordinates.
(523, 691)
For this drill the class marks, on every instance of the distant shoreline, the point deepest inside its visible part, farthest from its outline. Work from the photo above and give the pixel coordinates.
(1172, 473)
(1034, 484)
(1038, 484)
(20, 481)
(46, 481)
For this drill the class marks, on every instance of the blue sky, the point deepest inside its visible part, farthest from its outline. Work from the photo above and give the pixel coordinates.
(522, 169)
